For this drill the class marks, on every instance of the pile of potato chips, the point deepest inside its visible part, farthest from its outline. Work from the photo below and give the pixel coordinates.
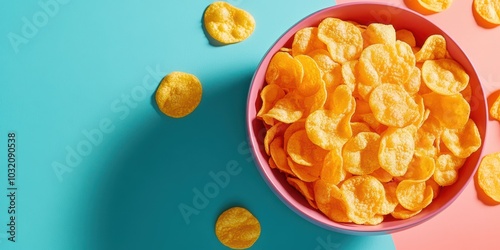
(363, 122)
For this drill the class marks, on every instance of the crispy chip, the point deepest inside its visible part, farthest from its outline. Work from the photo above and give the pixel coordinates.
(444, 76)
(270, 94)
(330, 70)
(462, 143)
(333, 170)
(179, 94)
(414, 195)
(287, 109)
(306, 40)
(364, 197)
(421, 168)
(227, 23)
(447, 166)
(237, 228)
(435, 5)
(379, 33)
(305, 173)
(331, 201)
(303, 151)
(488, 10)
(495, 109)
(279, 157)
(397, 147)
(402, 213)
(393, 106)
(488, 175)
(434, 48)
(406, 36)
(391, 199)
(343, 39)
(359, 151)
(328, 129)
(452, 111)
(311, 81)
(285, 71)
(305, 188)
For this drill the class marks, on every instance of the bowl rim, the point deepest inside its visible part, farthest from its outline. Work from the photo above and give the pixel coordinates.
(267, 174)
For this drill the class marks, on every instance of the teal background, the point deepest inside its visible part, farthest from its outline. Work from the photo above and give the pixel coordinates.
(94, 64)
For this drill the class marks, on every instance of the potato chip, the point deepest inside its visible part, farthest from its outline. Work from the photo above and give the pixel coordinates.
(397, 147)
(391, 199)
(495, 109)
(434, 48)
(328, 129)
(279, 156)
(270, 94)
(462, 143)
(414, 195)
(358, 127)
(303, 151)
(452, 111)
(227, 23)
(444, 76)
(276, 130)
(333, 170)
(349, 72)
(285, 71)
(305, 173)
(364, 196)
(341, 101)
(435, 5)
(382, 175)
(178, 94)
(291, 129)
(412, 84)
(447, 167)
(421, 168)
(383, 63)
(237, 228)
(306, 189)
(406, 36)
(488, 175)
(436, 188)
(330, 201)
(428, 137)
(393, 106)
(402, 213)
(287, 109)
(330, 70)
(378, 33)
(343, 39)
(306, 40)
(311, 81)
(488, 10)
(359, 153)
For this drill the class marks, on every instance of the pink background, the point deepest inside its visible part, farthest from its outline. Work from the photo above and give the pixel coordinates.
(470, 222)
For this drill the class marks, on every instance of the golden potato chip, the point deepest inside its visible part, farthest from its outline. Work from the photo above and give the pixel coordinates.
(447, 166)
(306, 40)
(305, 173)
(414, 195)
(227, 23)
(305, 188)
(364, 196)
(276, 130)
(382, 175)
(435, 187)
(359, 153)
(412, 85)
(488, 175)
(428, 137)
(397, 147)
(349, 72)
(343, 39)
(383, 63)
(311, 81)
(333, 170)
(421, 168)
(303, 151)
(285, 71)
(279, 156)
(237, 228)
(462, 143)
(434, 48)
(406, 36)
(495, 109)
(402, 213)
(393, 106)
(330, 70)
(435, 5)
(330, 201)
(328, 129)
(291, 129)
(178, 94)
(488, 10)
(452, 111)
(379, 33)
(287, 109)
(341, 101)
(444, 76)
(270, 94)
(391, 199)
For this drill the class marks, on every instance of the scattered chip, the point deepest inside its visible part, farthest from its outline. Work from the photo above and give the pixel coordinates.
(178, 94)
(227, 23)
(435, 5)
(237, 228)
(488, 10)
(488, 175)
(495, 109)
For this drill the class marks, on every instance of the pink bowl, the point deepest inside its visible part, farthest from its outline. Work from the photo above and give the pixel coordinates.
(363, 13)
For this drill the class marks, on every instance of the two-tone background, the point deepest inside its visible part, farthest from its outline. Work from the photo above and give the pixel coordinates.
(98, 167)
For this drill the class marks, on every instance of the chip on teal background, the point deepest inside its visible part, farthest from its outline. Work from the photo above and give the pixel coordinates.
(98, 166)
